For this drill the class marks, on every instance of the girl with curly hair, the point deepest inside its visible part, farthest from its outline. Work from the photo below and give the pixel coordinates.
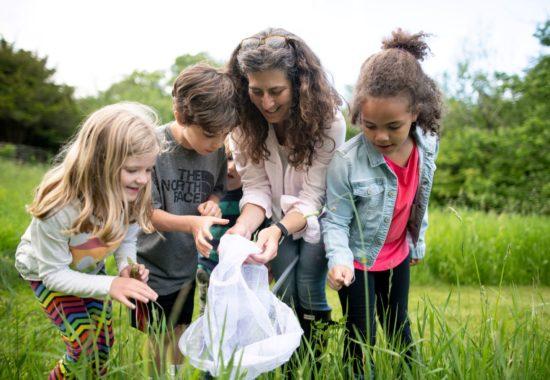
(290, 128)
(378, 188)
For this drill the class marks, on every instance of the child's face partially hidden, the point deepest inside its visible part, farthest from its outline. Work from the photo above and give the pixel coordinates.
(135, 174)
(195, 138)
(233, 177)
(386, 123)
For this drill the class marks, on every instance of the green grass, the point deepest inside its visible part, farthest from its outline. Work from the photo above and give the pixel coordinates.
(473, 247)
(466, 332)
(464, 246)
(464, 326)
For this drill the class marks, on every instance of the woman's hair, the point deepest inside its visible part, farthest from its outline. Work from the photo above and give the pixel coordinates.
(314, 99)
(88, 173)
(396, 70)
(206, 97)
(227, 147)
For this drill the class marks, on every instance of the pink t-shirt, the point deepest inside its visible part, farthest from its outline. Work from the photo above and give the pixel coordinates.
(396, 248)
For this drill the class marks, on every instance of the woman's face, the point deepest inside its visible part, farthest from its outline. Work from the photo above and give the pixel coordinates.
(271, 92)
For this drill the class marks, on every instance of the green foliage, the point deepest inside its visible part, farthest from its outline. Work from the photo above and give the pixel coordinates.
(187, 60)
(7, 150)
(493, 153)
(543, 33)
(505, 169)
(460, 332)
(33, 109)
(150, 88)
(140, 86)
(472, 247)
(452, 243)
(351, 130)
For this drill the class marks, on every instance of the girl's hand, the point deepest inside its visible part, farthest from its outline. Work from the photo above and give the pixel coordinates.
(239, 229)
(413, 262)
(338, 276)
(268, 242)
(200, 228)
(123, 289)
(210, 208)
(137, 271)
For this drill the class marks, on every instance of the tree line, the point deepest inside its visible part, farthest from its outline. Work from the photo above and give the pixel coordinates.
(494, 148)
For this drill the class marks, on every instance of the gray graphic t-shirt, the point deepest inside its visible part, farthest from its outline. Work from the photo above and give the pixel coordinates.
(181, 180)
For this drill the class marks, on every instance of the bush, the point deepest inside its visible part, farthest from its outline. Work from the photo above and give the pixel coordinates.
(7, 150)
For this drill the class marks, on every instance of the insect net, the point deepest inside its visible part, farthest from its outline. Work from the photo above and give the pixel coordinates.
(244, 328)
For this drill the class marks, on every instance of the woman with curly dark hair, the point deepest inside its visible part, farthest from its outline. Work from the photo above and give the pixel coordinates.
(290, 128)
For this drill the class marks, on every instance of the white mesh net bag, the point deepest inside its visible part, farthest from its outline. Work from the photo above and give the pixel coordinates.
(243, 321)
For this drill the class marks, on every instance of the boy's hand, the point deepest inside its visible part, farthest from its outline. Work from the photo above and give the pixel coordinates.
(210, 208)
(200, 228)
(338, 276)
(123, 289)
(239, 229)
(137, 271)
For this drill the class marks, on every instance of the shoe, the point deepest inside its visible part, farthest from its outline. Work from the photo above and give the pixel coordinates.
(308, 318)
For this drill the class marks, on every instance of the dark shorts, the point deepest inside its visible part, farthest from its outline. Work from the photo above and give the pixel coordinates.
(168, 307)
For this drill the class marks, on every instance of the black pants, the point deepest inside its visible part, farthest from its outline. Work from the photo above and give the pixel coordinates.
(386, 294)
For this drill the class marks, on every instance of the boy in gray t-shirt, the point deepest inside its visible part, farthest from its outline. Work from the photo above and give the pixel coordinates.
(189, 179)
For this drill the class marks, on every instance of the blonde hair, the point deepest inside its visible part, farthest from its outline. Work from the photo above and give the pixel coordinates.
(88, 173)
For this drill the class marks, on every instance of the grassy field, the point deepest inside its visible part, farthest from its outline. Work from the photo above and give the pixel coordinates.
(478, 305)
(467, 332)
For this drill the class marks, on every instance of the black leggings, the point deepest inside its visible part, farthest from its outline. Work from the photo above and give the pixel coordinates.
(388, 294)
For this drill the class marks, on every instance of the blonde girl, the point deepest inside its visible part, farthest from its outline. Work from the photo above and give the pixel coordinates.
(89, 205)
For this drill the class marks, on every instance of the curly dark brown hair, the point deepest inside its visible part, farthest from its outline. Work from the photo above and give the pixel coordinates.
(396, 70)
(314, 104)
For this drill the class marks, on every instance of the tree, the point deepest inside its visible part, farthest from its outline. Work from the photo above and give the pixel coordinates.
(145, 87)
(493, 153)
(33, 109)
(187, 60)
(152, 88)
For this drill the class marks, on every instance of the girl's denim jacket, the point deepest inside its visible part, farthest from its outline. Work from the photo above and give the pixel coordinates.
(361, 195)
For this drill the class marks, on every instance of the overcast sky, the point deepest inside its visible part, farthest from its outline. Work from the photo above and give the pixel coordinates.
(93, 44)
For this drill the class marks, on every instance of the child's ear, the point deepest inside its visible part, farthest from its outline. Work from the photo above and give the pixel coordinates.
(415, 111)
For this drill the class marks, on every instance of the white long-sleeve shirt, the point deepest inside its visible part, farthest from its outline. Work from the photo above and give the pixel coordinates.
(70, 264)
(297, 190)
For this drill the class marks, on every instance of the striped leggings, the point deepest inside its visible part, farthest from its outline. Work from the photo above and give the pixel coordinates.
(86, 328)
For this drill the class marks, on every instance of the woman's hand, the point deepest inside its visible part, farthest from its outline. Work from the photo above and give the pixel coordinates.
(137, 271)
(338, 276)
(268, 242)
(210, 208)
(123, 289)
(200, 228)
